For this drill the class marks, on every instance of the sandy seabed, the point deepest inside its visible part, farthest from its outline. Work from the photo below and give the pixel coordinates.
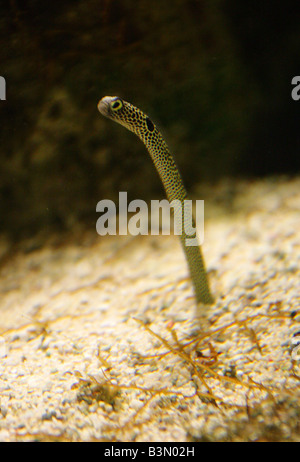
(77, 365)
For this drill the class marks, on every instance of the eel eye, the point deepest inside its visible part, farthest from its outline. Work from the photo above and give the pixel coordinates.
(116, 105)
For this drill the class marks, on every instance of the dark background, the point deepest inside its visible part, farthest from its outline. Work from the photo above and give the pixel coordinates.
(214, 75)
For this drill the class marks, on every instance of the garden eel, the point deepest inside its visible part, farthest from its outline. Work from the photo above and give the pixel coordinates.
(139, 123)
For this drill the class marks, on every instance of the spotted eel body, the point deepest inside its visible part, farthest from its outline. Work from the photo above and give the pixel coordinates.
(139, 123)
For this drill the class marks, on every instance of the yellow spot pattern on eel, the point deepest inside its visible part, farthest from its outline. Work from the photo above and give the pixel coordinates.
(139, 123)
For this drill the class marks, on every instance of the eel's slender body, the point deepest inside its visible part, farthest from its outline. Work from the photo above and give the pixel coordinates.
(139, 123)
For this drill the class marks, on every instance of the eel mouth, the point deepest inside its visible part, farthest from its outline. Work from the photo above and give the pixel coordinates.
(104, 106)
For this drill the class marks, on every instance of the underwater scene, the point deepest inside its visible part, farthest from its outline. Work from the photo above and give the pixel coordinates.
(150, 222)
